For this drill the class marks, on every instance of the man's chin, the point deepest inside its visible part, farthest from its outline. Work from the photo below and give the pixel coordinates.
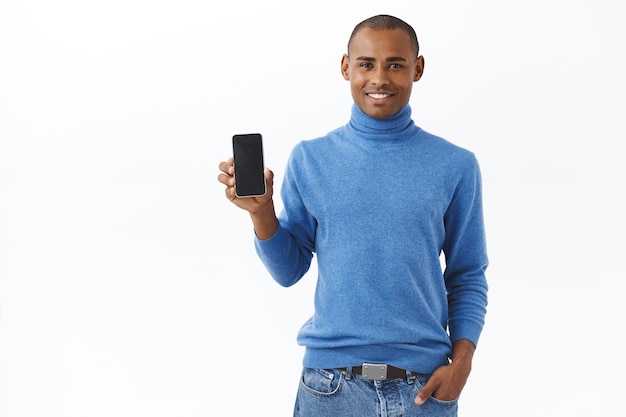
(380, 111)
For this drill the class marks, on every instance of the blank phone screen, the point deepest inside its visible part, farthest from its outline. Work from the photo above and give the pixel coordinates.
(248, 156)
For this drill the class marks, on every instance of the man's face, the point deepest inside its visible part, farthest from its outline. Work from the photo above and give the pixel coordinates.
(381, 68)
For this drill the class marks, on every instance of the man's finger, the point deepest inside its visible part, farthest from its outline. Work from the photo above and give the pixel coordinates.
(426, 391)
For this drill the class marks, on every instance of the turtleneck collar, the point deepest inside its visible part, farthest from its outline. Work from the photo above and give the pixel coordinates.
(389, 129)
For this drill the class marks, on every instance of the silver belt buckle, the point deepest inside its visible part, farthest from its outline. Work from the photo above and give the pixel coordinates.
(374, 371)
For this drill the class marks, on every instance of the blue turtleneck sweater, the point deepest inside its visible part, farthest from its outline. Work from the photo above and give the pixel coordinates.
(378, 202)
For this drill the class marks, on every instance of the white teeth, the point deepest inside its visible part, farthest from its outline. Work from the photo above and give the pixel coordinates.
(373, 95)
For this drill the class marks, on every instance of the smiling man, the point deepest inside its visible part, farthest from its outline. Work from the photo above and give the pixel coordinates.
(382, 66)
(378, 201)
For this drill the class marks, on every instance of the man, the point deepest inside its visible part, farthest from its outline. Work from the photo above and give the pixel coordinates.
(378, 201)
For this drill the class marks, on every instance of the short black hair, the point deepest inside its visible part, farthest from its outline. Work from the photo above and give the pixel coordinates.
(387, 22)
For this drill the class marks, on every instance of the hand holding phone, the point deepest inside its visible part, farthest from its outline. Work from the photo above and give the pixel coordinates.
(249, 165)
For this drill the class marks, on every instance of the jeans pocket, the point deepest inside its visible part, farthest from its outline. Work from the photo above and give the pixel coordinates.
(323, 382)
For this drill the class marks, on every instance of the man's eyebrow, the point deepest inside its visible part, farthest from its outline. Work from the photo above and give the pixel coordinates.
(396, 58)
(390, 59)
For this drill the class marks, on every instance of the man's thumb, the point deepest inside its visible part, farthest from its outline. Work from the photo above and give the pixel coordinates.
(424, 393)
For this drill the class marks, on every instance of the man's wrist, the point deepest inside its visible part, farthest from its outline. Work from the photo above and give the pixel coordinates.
(264, 220)
(463, 351)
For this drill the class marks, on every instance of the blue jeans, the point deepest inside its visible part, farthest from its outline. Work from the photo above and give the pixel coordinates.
(333, 393)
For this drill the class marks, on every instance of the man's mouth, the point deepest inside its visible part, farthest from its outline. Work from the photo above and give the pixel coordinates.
(378, 96)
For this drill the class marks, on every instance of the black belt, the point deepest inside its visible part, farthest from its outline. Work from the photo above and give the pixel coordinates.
(377, 371)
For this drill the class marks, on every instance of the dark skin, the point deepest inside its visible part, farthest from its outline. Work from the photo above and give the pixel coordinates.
(447, 382)
(381, 67)
(261, 209)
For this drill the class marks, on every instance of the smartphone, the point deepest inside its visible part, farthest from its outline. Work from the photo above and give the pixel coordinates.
(249, 165)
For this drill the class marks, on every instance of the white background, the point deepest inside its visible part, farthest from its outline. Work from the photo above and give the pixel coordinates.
(129, 285)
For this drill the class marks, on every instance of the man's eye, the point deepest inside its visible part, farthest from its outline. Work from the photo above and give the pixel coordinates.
(365, 65)
(395, 66)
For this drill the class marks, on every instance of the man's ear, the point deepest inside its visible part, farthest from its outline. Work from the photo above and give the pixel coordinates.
(345, 63)
(419, 68)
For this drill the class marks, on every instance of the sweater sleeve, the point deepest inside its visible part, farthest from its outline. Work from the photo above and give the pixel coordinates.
(288, 253)
(466, 257)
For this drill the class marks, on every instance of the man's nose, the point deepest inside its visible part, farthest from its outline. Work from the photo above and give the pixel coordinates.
(380, 76)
